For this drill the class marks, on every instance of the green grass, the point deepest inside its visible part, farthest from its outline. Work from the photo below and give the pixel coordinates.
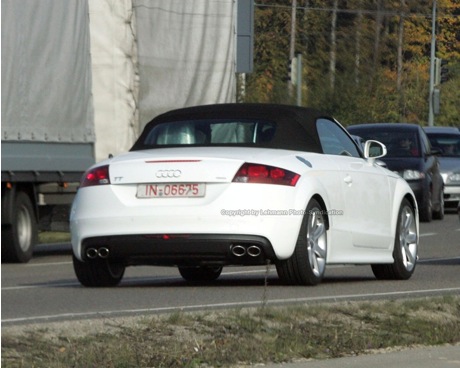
(49, 237)
(241, 336)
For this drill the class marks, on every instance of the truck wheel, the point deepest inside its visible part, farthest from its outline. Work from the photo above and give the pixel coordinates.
(18, 240)
(98, 272)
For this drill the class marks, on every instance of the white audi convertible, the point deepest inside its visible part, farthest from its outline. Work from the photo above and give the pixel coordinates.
(244, 184)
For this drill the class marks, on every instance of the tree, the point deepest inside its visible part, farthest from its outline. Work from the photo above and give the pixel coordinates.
(362, 60)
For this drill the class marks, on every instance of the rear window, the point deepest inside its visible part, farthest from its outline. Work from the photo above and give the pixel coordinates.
(447, 144)
(211, 132)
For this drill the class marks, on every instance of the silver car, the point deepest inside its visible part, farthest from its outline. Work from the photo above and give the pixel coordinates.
(446, 140)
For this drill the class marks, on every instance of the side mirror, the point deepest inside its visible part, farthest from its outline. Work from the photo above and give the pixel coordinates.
(436, 151)
(374, 150)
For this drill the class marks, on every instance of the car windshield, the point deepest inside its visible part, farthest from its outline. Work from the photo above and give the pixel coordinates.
(399, 143)
(447, 144)
(211, 132)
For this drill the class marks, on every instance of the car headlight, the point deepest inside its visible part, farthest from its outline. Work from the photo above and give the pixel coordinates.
(453, 178)
(413, 175)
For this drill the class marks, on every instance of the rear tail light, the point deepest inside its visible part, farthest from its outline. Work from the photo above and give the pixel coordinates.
(96, 176)
(264, 174)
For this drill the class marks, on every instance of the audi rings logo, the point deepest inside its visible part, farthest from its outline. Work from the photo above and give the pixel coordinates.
(168, 174)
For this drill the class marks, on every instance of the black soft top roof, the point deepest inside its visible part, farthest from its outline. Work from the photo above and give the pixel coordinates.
(296, 126)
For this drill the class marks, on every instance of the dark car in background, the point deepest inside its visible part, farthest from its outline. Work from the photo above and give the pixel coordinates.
(411, 156)
(446, 140)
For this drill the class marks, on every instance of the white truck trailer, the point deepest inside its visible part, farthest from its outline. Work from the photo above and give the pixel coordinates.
(47, 114)
(81, 78)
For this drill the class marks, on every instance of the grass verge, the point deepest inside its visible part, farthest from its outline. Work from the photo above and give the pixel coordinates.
(237, 337)
(50, 237)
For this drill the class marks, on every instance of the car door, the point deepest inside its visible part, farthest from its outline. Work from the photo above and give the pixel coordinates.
(365, 187)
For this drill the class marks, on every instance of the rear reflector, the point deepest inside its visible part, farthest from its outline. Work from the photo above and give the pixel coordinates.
(96, 176)
(264, 174)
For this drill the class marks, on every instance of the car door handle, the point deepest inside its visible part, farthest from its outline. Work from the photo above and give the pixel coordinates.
(348, 179)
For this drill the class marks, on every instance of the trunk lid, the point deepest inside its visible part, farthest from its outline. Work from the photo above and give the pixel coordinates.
(186, 165)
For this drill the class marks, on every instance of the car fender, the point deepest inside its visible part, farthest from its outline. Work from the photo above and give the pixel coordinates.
(308, 187)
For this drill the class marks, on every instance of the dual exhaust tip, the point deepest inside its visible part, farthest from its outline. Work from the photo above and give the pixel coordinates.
(243, 250)
(101, 252)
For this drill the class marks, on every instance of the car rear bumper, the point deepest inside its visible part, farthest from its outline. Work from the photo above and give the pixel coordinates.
(180, 249)
(98, 217)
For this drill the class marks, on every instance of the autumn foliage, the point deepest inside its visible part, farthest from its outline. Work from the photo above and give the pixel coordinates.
(362, 60)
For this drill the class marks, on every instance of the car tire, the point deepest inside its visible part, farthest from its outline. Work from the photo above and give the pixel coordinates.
(439, 214)
(426, 210)
(307, 264)
(19, 238)
(98, 272)
(200, 274)
(405, 247)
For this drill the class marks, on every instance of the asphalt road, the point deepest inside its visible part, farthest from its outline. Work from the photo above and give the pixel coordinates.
(46, 289)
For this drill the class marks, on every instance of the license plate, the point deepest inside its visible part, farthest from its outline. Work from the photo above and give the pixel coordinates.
(171, 190)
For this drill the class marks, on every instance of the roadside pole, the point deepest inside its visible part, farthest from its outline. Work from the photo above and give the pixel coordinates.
(432, 62)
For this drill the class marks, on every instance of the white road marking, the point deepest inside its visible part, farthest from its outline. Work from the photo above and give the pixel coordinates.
(44, 285)
(428, 234)
(126, 281)
(195, 307)
(47, 264)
